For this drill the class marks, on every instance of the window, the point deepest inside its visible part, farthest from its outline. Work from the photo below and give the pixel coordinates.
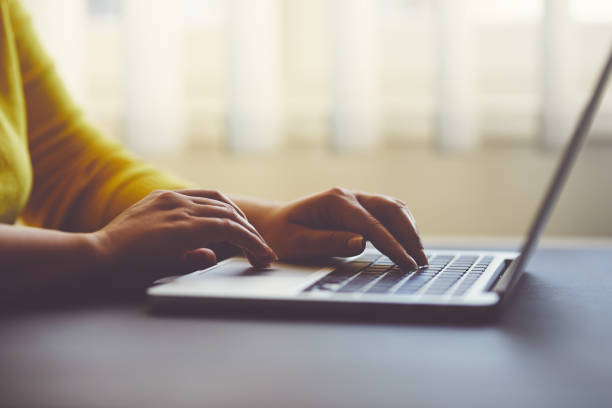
(349, 74)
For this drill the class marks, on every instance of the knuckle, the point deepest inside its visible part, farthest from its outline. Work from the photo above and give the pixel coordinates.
(395, 202)
(230, 227)
(400, 205)
(337, 195)
(223, 223)
(217, 195)
(373, 222)
(386, 201)
(338, 191)
(168, 195)
(167, 199)
(400, 202)
(218, 226)
(160, 195)
(229, 212)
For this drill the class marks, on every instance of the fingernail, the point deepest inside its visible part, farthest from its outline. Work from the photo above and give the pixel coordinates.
(266, 251)
(356, 244)
(261, 264)
(423, 261)
(411, 263)
(272, 255)
(266, 260)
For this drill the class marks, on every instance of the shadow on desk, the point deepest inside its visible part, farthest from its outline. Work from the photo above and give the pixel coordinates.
(532, 312)
(529, 314)
(511, 317)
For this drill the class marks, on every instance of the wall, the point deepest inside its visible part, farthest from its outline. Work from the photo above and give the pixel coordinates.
(490, 192)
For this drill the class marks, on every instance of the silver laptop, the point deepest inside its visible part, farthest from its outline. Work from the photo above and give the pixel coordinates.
(456, 282)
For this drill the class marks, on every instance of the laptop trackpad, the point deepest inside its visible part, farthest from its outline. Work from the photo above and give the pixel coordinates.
(238, 277)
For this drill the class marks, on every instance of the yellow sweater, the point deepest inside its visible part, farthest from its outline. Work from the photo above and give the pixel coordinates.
(56, 171)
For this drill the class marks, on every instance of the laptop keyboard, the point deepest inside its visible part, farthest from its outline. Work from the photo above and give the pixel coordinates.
(377, 274)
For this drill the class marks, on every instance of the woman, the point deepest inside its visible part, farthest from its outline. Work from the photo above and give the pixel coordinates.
(106, 218)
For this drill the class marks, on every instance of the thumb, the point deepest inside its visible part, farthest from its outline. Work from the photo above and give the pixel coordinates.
(314, 242)
(197, 259)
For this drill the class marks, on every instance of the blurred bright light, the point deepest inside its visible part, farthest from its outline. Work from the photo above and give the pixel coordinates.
(591, 11)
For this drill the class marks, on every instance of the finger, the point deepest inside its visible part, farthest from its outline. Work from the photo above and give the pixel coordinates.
(315, 242)
(396, 217)
(255, 248)
(198, 259)
(404, 227)
(205, 207)
(209, 201)
(207, 230)
(257, 262)
(358, 219)
(205, 196)
(212, 194)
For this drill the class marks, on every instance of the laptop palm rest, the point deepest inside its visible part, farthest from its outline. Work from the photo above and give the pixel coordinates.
(236, 277)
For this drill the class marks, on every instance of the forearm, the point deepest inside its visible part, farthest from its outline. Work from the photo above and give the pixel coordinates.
(37, 260)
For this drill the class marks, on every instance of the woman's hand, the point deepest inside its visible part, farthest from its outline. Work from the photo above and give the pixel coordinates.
(167, 232)
(335, 223)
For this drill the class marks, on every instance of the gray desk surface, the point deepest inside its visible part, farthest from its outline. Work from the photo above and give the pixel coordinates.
(552, 347)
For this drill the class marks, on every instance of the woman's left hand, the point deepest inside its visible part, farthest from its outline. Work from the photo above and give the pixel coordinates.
(337, 222)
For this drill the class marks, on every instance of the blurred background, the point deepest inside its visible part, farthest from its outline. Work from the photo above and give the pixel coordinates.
(458, 107)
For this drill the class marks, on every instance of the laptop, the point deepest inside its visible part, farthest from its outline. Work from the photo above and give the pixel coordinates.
(455, 283)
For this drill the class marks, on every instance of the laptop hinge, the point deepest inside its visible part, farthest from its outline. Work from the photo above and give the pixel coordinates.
(506, 277)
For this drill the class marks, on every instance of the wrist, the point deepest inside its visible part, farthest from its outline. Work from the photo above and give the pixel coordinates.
(96, 251)
(258, 212)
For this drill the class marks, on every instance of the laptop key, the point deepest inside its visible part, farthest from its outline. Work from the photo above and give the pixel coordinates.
(388, 281)
(412, 285)
(377, 269)
(367, 258)
(385, 261)
(445, 270)
(345, 271)
(464, 286)
(357, 284)
(332, 287)
(408, 289)
(333, 280)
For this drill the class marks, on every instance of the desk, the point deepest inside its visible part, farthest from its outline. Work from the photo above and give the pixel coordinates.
(551, 348)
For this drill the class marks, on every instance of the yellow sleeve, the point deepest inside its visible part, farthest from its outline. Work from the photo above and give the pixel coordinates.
(81, 179)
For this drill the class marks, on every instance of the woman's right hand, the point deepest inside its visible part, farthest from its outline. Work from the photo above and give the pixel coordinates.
(167, 233)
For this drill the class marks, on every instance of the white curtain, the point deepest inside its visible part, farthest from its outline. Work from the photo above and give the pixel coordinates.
(350, 74)
(456, 77)
(355, 120)
(62, 28)
(558, 104)
(153, 43)
(255, 120)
